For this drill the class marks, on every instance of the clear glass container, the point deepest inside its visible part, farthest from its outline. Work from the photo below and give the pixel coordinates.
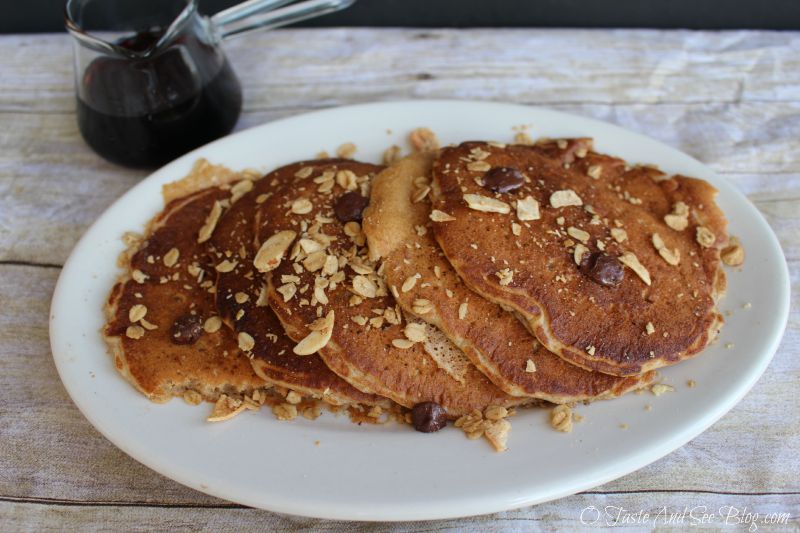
(151, 79)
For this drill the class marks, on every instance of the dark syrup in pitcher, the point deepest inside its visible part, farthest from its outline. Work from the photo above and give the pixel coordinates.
(146, 112)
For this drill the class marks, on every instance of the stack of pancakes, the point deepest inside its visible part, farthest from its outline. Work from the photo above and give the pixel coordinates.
(454, 284)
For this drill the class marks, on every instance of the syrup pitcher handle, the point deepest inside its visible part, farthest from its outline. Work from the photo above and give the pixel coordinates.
(266, 14)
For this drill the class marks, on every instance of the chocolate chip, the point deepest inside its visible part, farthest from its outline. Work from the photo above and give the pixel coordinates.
(503, 179)
(428, 417)
(350, 206)
(603, 269)
(186, 329)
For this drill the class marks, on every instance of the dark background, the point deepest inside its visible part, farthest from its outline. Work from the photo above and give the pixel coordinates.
(46, 15)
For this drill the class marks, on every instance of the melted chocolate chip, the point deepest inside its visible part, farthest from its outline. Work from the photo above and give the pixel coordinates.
(350, 207)
(428, 417)
(503, 179)
(186, 329)
(603, 269)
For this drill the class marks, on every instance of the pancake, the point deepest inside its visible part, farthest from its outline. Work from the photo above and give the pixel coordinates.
(331, 299)
(241, 302)
(168, 281)
(553, 249)
(398, 231)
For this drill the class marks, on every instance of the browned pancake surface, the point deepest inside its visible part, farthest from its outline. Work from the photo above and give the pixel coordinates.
(241, 298)
(621, 330)
(366, 318)
(153, 363)
(399, 231)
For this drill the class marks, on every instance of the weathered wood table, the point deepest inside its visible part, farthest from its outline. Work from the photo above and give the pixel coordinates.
(730, 99)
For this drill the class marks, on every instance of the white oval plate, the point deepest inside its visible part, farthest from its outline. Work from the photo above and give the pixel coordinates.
(393, 473)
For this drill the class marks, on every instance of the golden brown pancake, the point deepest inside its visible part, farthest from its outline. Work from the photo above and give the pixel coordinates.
(241, 300)
(167, 281)
(552, 250)
(332, 300)
(398, 231)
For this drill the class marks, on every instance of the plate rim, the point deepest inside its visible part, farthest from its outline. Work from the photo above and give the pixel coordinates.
(435, 511)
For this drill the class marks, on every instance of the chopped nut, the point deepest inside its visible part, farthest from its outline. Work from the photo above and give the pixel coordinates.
(415, 332)
(496, 433)
(304, 172)
(270, 254)
(495, 412)
(293, 398)
(240, 189)
(321, 297)
(440, 216)
(171, 257)
(673, 257)
(241, 297)
(650, 328)
(321, 331)
(285, 411)
(528, 209)
(363, 286)
(594, 172)
(147, 325)
(420, 194)
(660, 388)
(565, 198)
(506, 276)
(315, 261)
(619, 234)
(137, 312)
(421, 306)
(462, 311)
(705, 237)
(403, 344)
(301, 206)
(578, 234)
(516, 229)
(486, 204)
(530, 366)
(346, 150)
(139, 276)
(226, 266)
(561, 418)
(212, 324)
(211, 222)
(246, 341)
(580, 251)
(733, 255)
(287, 290)
(679, 218)
(630, 260)
(331, 265)
(410, 282)
(478, 166)
(134, 332)
(226, 408)
(472, 424)
(423, 140)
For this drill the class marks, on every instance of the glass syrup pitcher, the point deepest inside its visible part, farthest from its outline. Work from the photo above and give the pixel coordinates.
(151, 79)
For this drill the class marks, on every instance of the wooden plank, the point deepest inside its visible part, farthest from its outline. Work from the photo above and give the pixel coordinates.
(600, 512)
(731, 99)
(52, 187)
(43, 433)
(299, 67)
